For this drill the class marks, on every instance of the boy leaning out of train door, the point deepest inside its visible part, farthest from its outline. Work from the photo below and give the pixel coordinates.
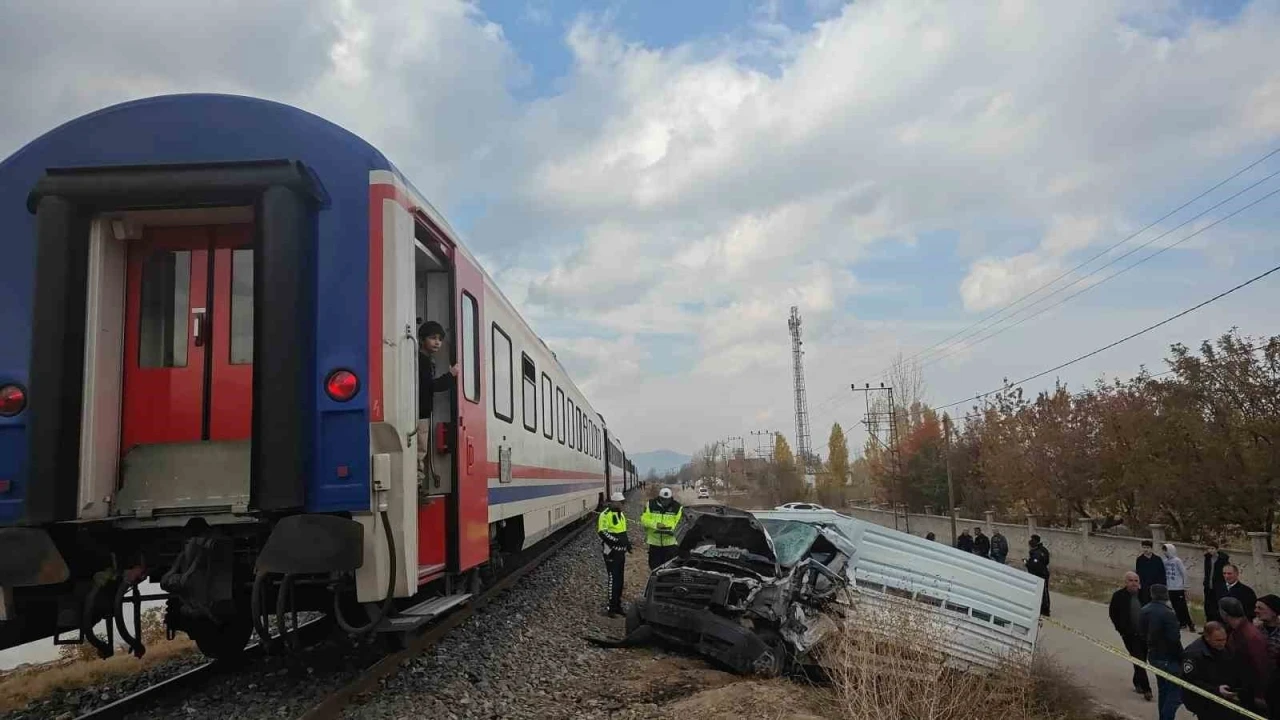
(431, 339)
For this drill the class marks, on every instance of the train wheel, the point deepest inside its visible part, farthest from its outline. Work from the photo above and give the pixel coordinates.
(222, 640)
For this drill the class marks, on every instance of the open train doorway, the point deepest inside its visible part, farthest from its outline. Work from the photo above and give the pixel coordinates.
(188, 369)
(436, 404)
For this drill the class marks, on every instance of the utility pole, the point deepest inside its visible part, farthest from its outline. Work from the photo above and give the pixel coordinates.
(871, 419)
(951, 488)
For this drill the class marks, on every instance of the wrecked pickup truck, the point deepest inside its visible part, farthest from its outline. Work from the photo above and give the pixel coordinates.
(758, 591)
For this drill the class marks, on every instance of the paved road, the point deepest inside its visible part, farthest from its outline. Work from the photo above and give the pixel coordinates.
(1108, 677)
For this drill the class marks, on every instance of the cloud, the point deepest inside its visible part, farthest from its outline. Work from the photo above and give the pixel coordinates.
(706, 182)
(427, 82)
(888, 169)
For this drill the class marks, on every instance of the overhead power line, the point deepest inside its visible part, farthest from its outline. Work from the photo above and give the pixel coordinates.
(1121, 271)
(1097, 255)
(1122, 340)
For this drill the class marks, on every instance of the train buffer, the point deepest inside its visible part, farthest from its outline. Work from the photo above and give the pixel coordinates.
(422, 613)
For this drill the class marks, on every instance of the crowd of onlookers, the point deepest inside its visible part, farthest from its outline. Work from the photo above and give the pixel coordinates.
(1237, 655)
(996, 548)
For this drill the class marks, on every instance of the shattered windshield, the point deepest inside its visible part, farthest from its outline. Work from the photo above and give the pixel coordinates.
(791, 539)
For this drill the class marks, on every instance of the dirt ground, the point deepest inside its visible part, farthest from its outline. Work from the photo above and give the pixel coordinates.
(655, 682)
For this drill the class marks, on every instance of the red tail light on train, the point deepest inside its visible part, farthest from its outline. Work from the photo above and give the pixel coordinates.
(13, 400)
(342, 385)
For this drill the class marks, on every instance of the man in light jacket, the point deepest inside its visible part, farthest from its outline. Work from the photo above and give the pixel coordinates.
(1175, 578)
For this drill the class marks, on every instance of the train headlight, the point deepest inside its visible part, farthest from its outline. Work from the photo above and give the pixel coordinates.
(13, 400)
(342, 385)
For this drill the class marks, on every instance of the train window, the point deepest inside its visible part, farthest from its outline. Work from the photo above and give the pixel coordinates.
(529, 392)
(548, 425)
(162, 323)
(577, 414)
(559, 415)
(573, 426)
(470, 348)
(242, 307)
(503, 380)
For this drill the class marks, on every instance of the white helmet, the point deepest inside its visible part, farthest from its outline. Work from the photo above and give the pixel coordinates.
(617, 497)
(665, 493)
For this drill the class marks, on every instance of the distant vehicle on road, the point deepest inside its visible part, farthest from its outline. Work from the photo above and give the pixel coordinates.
(800, 506)
(703, 493)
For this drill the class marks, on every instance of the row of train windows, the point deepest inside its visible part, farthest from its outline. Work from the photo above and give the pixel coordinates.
(562, 420)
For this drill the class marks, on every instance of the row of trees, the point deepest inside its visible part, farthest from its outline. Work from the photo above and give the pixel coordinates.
(1196, 448)
(776, 478)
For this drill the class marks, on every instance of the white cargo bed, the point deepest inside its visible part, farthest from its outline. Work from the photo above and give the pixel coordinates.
(990, 611)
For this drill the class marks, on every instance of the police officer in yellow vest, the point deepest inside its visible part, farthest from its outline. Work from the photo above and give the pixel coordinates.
(612, 529)
(661, 516)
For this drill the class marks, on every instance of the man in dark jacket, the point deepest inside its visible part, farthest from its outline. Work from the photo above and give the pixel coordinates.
(1214, 561)
(1038, 564)
(965, 541)
(1150, 569)
(1248, 648)
(1207, 665)
(1159, 625)
(981, 543)
(1233, 588)
(999, 547)
(1124, 611)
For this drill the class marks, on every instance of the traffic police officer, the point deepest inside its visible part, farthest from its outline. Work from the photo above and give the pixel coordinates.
(612, 528)
(661, 516)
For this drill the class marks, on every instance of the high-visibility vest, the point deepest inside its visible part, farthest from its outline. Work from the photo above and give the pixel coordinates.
(612, 521)
(660, 526)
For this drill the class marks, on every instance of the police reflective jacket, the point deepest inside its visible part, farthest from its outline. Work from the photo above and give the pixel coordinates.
(660, 520)
(612, 529)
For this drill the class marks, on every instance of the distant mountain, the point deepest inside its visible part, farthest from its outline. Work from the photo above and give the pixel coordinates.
(660, 461)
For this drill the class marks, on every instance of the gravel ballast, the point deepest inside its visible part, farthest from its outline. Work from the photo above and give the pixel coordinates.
(525, 655)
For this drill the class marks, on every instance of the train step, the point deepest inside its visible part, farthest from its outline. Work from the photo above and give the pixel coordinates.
(422, 613)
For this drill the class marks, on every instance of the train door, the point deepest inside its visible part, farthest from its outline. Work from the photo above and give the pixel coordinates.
(474, 467)
(186, 414)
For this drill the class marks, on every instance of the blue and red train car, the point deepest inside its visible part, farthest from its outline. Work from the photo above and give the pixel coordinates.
(209, 379)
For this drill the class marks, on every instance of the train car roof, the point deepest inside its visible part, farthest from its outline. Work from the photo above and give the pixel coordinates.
(215, 128)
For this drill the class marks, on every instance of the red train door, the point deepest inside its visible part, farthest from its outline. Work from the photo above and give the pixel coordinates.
(188, 336)
(473, 446)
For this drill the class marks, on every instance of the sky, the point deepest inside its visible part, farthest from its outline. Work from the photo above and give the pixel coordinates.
(655, 183)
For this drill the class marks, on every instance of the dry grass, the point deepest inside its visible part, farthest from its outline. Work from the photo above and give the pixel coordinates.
(80, 667)
(889, 666)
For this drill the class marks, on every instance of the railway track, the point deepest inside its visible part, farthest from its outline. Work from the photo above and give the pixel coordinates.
(310, 633)
(332, 705)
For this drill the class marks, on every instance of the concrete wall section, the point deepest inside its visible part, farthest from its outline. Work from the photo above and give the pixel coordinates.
(1093, 553)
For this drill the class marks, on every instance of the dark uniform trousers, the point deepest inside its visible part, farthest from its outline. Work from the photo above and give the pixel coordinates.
(616, 570)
